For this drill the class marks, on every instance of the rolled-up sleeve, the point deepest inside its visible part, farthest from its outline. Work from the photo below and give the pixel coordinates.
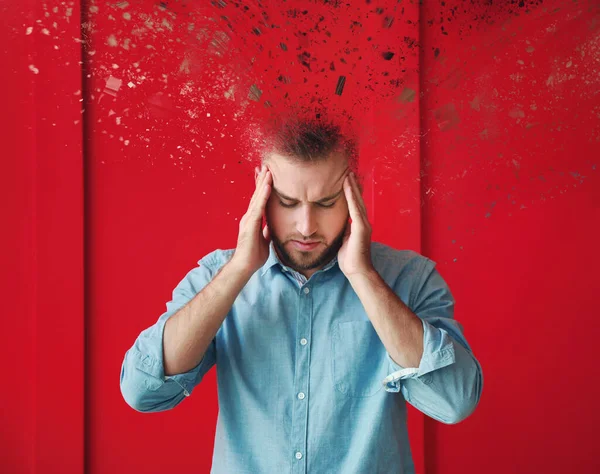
(143, 383)
(448, 383)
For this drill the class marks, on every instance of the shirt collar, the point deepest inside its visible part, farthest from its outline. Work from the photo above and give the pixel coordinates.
(274, 259)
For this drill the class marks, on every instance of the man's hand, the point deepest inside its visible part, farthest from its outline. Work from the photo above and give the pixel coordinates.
(354, 257)
(252, 250)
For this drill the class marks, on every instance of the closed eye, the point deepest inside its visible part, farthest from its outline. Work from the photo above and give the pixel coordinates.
(294, 204)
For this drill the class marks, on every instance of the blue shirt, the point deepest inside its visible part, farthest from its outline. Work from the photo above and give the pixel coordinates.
(305, 385)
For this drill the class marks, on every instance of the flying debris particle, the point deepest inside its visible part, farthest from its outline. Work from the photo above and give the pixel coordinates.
(407, 95)
(167, 25)
(28, 30)
(340, 85)
(283, 46)
(229, 94)
(34, 69)
(254, 93)
(304, 59)
(387, 55)
(112, 86)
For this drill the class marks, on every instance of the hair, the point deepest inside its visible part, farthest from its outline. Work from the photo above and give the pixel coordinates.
(309, 140)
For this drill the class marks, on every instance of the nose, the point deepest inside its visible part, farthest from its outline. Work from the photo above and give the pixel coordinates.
(306, 223)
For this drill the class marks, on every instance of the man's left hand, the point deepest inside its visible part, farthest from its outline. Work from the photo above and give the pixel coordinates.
(354, 257)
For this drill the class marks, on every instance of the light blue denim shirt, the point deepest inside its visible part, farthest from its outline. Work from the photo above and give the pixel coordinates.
(305, 385)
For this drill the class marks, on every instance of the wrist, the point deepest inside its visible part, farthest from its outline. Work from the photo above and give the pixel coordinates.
(368, 273)
(238, 268)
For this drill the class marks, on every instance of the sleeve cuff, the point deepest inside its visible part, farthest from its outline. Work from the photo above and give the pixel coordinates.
(438, 352)
(152, 364)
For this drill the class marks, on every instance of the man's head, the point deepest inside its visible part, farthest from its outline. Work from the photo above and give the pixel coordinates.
(309, 161)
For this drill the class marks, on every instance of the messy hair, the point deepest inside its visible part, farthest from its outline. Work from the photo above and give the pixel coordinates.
(309, 140)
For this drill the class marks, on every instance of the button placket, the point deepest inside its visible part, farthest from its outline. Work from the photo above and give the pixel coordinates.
(299, 428)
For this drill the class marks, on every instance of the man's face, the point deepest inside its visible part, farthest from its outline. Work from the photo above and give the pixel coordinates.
(307, 206)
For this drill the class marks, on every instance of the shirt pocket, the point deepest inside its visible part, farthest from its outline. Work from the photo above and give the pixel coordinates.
(358, 359)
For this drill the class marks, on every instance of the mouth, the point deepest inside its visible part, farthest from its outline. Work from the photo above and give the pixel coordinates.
(305, 246)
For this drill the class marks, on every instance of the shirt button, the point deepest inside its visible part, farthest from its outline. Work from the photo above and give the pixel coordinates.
(298, 455)
(306, 291)
(301, 395)
(303, 341)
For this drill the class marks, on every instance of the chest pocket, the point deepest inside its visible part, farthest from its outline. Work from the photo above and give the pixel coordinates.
(359, 362)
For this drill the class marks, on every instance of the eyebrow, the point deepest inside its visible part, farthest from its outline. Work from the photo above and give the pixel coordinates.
(325, 199)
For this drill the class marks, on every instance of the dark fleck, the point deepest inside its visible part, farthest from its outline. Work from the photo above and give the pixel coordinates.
(340, 85)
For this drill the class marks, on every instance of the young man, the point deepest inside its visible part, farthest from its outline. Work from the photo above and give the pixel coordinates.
(320, 336)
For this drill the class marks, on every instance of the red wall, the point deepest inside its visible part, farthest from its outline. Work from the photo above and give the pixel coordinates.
(480, 142)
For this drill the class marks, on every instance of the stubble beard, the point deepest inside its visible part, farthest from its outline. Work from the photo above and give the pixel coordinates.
(306, 260)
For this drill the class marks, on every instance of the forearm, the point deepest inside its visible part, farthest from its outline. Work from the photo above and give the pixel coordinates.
(189, 332)
(399, 329)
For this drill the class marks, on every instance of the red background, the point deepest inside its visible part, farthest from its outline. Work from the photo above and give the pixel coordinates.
(479, 141)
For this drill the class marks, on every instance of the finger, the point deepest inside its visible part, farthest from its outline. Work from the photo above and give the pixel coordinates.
(355, 213)
(259, 185)
(358, 196)
(262, 196)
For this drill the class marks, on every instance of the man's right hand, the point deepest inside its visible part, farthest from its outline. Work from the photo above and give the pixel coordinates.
(252, 250)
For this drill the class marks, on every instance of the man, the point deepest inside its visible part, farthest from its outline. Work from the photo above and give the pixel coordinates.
(319, 335)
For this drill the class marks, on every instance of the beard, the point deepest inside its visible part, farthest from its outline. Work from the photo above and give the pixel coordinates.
(308, 260)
